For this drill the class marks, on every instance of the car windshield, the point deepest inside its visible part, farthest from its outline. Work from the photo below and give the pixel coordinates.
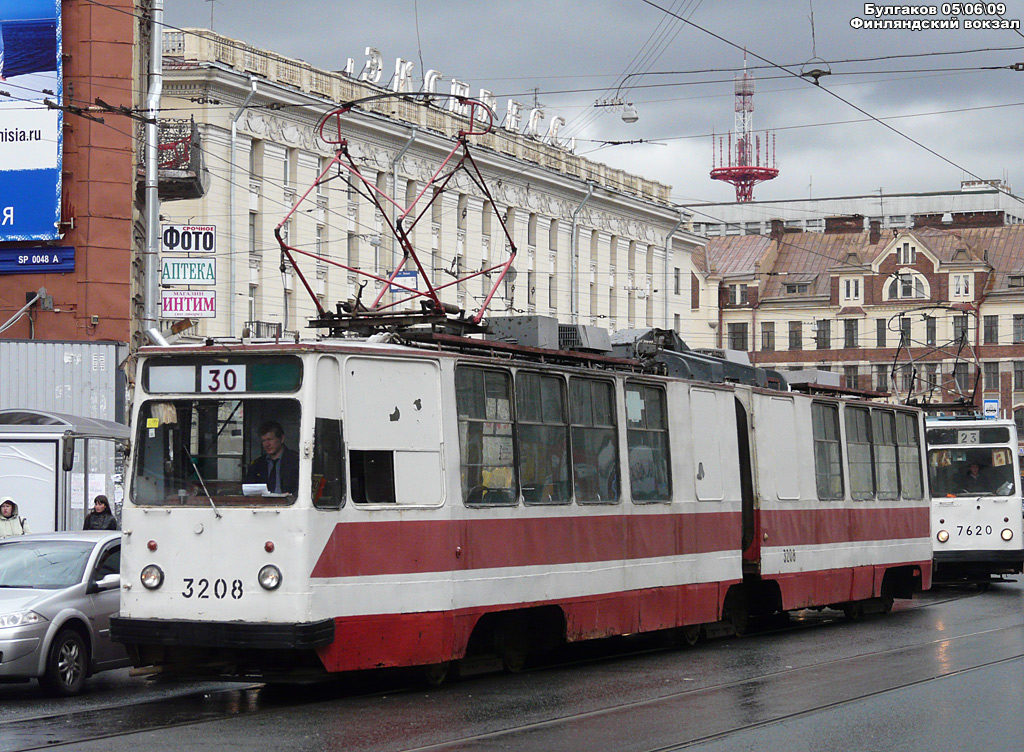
(43, 565)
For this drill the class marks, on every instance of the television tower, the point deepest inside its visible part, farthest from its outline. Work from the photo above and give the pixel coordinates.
(743, 167)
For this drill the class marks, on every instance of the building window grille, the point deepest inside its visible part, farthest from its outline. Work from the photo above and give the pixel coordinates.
(991, 374)
(796, 335)
(738, 336)
(959, 328)
(824, 334)
(768, 336)
(851, 377)
(991, 330)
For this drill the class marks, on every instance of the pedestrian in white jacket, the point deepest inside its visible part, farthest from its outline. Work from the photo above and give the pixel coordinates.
(10, 522)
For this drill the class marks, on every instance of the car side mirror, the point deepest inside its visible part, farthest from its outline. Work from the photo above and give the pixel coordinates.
(108, 582)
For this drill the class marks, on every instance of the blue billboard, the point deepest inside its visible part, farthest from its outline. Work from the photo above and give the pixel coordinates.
(31, 134)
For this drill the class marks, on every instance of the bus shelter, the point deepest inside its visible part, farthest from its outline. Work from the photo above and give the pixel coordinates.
(53, 465)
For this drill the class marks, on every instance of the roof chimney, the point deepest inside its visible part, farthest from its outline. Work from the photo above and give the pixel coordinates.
(875, 233)
(778, 230)
(849, 223)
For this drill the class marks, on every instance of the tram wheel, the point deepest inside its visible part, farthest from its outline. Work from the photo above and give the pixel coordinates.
(853, 610)
(514, 646)
(691, 634)
(737, 611)
(436, 673)
(886, 601)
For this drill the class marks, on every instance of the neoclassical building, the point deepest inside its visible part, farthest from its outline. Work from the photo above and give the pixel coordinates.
(595, 245)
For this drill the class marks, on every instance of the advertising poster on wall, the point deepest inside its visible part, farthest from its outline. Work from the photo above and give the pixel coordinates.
(30, 131)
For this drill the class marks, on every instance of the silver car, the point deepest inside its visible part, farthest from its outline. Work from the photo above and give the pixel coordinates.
(57, 594)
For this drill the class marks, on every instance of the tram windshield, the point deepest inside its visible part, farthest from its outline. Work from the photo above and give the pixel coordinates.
(971, 471)
(190, 452)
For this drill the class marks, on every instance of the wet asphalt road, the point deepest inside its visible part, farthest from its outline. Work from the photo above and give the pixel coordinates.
(942, 672)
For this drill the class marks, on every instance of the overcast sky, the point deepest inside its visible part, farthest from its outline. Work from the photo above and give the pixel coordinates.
(574, 53)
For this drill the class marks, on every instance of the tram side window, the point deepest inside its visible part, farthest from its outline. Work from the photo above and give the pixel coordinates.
(828, 467)
(883, 428)
(543, 439)
(647, 442)
(373, 476)
(595, 447)
(907, 439)
(484, 402)
(859, 454)
(328, 488)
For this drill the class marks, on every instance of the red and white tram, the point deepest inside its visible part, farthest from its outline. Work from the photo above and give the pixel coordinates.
(458, 496)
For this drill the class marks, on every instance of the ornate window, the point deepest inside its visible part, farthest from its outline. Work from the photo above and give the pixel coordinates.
(907, 285)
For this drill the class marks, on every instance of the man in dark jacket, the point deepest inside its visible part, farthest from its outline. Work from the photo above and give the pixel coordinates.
(279, 465)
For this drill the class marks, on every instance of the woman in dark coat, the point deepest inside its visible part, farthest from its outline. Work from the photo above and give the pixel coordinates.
(100, 518)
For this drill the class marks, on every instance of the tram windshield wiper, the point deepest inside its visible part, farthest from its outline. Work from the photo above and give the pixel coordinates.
(202, 482)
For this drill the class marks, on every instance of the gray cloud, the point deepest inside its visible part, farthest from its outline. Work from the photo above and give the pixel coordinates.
(512, 48)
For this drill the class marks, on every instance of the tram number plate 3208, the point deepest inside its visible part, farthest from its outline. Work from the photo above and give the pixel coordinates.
(973, 530)
(218, 589)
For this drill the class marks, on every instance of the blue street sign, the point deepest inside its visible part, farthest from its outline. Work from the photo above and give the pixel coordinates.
(36, 260)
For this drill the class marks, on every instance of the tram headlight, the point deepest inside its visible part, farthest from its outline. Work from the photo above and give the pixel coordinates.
(942, 536)
(152, 577)
(270, 577)
(1007, 534)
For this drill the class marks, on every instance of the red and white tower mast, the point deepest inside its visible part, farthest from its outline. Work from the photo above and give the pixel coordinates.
(745, 166)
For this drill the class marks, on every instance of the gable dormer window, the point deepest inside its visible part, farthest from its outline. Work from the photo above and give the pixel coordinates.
(906, 254)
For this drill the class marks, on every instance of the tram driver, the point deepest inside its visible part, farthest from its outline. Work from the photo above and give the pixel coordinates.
(974, 481)
(279, 465)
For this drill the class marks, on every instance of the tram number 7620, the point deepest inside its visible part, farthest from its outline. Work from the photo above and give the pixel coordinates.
(973, 530)
(220, 589)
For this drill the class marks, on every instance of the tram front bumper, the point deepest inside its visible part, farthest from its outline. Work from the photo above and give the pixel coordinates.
(242, 635)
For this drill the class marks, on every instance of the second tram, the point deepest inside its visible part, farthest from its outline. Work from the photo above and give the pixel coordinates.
(975, 483)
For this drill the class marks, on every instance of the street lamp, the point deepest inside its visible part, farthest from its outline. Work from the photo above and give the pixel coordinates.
(629, 114)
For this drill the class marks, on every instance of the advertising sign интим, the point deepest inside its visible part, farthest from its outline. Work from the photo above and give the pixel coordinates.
(30, 131)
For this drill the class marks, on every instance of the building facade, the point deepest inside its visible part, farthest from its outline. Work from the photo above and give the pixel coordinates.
(927, 311)
(595, 245)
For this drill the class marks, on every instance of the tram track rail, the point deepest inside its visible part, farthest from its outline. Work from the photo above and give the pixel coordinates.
(845, 692)
(207, 706)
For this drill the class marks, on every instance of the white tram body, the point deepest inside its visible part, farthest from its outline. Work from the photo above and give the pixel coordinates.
(458, 500)
(976, 521)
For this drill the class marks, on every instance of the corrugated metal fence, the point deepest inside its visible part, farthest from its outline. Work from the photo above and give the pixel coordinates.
(75, 378)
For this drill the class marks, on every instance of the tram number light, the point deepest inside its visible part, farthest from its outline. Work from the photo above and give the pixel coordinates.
(217, 379)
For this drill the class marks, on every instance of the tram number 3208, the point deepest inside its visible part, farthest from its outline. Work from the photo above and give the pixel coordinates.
(219, 589)
(973, 530)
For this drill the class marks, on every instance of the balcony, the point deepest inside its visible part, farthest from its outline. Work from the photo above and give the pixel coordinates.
(181, 173)
(264, 329)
